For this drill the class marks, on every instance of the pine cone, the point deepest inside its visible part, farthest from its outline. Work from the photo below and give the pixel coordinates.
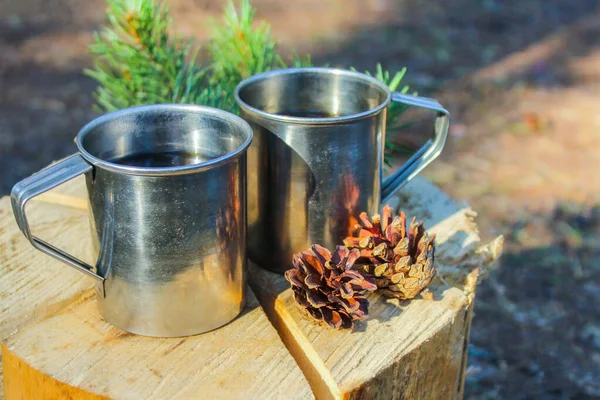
(328, 287)
(401, 262)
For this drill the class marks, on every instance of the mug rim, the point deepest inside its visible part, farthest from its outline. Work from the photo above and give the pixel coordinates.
(161, 171)
(312, 120)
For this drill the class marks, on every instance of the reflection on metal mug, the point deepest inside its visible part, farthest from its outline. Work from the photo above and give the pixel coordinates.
(167, 202)
(317, 156)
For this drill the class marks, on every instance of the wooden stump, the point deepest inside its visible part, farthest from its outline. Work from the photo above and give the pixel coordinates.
(413, 349)
(56, 345)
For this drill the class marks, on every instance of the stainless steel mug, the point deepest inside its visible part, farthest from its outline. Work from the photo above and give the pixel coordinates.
(167, 201)
(317, 157)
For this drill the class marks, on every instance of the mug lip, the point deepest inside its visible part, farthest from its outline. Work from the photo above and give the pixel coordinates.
(312, 120)
(161, 171)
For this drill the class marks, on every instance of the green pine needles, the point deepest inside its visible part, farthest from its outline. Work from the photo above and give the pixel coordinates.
(137, 60)
(239, 49)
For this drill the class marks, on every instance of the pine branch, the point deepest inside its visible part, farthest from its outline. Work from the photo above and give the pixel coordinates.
(301, 61)
(239, 49)
(136, 62)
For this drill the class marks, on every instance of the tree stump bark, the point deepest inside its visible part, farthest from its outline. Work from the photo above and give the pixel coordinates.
(56, 345)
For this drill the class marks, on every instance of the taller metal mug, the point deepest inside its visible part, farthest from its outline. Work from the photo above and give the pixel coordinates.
(170, 241)
(317, 157)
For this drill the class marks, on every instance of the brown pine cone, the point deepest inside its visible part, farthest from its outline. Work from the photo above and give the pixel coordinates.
(400, 261)
(328, 287)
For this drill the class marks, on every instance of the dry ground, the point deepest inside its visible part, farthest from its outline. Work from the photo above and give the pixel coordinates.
(522, 80)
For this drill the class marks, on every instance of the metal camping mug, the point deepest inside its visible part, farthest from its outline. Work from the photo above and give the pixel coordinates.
(167, 202)
(317, 157)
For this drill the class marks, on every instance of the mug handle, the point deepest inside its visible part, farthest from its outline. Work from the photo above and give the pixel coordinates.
(425, 154)
(39, 183)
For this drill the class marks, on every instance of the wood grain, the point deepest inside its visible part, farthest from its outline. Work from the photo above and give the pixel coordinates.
(24, 382)
(56, 345)
(81, 352)
(33, 285)
(407, 350)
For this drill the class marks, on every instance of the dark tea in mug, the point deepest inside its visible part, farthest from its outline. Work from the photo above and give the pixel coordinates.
(167, 158)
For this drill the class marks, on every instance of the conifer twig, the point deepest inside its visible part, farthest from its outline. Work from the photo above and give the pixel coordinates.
(138, 61)
(240, 49)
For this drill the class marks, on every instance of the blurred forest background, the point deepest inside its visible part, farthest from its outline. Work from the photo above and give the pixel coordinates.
(522, 81)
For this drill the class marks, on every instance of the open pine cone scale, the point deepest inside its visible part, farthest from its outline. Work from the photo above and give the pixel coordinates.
(328, 287)
(400, 260)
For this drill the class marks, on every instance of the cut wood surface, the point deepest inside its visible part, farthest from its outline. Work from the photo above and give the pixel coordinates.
(78, 349)
(33, 285)
(413, 349)
(56, 345)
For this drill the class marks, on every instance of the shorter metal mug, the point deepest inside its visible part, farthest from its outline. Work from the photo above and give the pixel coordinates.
(317, 157)
(170, 241)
